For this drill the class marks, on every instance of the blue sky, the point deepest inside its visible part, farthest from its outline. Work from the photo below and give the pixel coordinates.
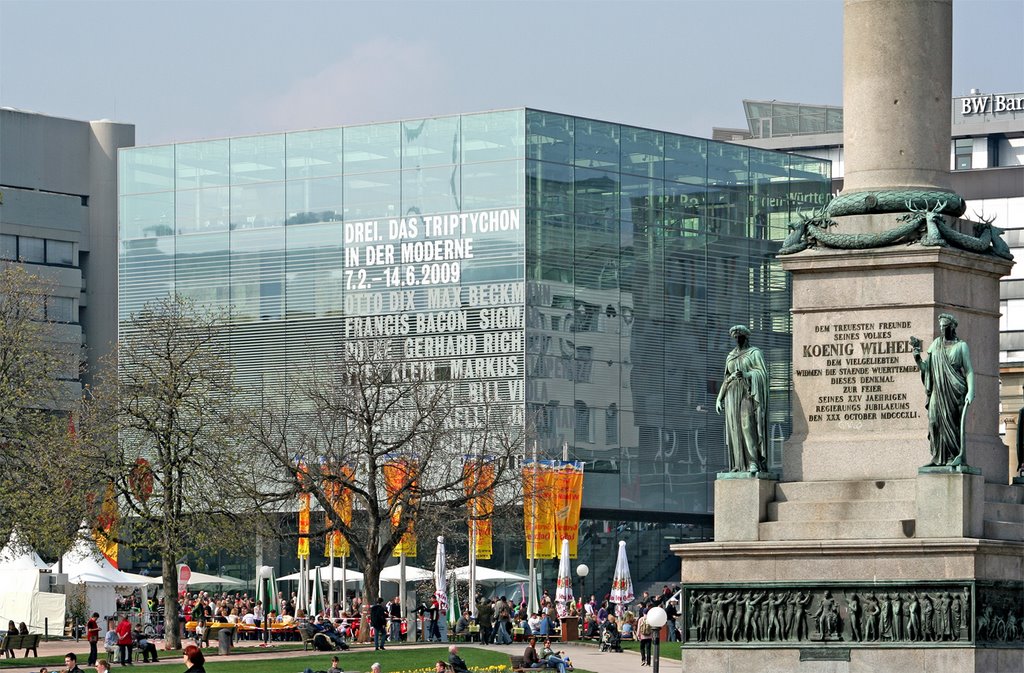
(186, 70)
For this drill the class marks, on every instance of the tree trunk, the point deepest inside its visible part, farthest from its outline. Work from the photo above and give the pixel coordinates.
(172, 625)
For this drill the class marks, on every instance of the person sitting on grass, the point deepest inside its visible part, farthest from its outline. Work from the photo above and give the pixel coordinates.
(458, 665)
(334, 665)
(102, 666)
(441, 667)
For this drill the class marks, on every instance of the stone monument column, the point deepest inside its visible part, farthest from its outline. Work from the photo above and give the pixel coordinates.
(893, 537)
(896, 124)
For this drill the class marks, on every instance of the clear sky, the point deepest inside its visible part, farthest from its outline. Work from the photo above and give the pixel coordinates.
(186, 70)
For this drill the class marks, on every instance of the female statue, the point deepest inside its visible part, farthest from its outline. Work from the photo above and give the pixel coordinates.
(744, 399)
(949, 383)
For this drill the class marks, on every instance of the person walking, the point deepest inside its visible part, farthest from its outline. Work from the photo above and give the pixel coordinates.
(645, 635)
(379, 621)
(92, 634)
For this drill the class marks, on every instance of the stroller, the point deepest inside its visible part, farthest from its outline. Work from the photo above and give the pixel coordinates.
(610, 640)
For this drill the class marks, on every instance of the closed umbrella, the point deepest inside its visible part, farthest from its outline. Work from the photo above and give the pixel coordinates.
(316, 604)
(454, 609)
(440, 581)
(622, 585)
(440, 576)
(563, 590)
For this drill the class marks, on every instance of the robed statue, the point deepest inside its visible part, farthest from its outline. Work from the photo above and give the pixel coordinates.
(949, 384)
(743, 399)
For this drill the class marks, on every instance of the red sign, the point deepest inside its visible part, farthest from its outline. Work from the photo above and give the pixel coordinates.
(184, 574)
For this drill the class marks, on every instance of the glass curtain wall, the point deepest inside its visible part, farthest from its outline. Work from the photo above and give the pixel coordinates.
(634, 252)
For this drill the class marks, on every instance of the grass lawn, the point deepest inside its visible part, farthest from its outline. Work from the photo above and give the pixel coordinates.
(393, 660)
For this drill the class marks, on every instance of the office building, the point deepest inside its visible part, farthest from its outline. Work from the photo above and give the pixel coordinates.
(58, 217)
(585, 273)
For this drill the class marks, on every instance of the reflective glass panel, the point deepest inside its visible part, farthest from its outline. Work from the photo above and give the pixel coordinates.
(257, 159)
(493, 136)
(597, 144)
(201, 210)
(147, 215)
(254, 206)
(430, 142)
(315, 277)
(60, 252)
(257, 274)
(493, 184)
(146, 169)
(316, 200)
(643, 152)
(200, 269)
(549, 137)
(314, 154)
(431, 190)
(198, 165)
(376, 147)
(372, 195)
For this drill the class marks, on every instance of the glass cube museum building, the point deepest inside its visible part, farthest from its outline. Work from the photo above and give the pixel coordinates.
(583, 272)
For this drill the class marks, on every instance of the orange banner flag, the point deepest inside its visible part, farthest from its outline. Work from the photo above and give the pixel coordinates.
(399, 476)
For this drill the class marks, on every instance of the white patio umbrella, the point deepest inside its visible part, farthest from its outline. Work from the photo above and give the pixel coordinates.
(622, 585)
(353, 576)
(489, 575)
(563, 590)
(412, 574)
(440, 577)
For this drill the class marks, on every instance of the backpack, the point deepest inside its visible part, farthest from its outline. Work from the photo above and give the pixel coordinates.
(644, 630)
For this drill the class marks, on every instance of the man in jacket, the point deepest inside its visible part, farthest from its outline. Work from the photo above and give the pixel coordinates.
(455, 661)
(379, 620)
(395, 612)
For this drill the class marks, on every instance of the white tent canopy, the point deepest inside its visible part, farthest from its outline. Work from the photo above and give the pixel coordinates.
(351, 576)
(412, 574)
(85, 565)
(16, 556)
(491, 575)
(21, 601)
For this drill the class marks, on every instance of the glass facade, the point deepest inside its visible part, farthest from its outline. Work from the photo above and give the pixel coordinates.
(583, 273)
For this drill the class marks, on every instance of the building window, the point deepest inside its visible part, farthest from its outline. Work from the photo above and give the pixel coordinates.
(8, 246)
(611, 425)
(964, 151)
(31, 249)
(583, 430)
(60, 252)
(60, 309)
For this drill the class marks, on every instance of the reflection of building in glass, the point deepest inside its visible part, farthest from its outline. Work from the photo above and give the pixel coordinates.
(582, 272)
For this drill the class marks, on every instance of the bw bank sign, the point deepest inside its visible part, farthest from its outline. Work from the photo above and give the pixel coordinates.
(990, 104)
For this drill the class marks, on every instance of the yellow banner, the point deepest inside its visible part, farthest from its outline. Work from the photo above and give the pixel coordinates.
(399, 476)
(478, 479)
(340, 499)
(105, 532)
(568, 479)
(303, 526)
(539, 510)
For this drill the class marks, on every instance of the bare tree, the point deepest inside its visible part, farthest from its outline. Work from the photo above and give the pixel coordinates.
(165, 432)
(39, 495)
(373, 412)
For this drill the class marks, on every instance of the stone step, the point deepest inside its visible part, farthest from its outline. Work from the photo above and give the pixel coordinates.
(1003, 530)
(866, 529)
(1004, 493)
(836, 491)
(844, 510)
(1004, 511)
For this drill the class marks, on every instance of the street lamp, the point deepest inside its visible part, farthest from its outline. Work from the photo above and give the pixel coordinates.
(582, 570)
(657, 617)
